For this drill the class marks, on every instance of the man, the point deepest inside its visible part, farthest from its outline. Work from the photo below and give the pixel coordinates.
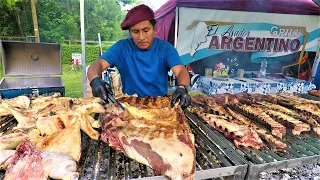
(142, 60)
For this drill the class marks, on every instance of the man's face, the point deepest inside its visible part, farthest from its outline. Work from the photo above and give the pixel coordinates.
(143, 34)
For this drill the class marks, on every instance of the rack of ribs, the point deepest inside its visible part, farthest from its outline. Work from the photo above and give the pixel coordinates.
(240, 134)
(256, 113)
(288, 121)
(276, 144)
(159, 138)
(312, 122)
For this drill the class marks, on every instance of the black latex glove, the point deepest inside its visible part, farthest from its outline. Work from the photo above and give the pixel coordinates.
(100, 89)
(181, 94)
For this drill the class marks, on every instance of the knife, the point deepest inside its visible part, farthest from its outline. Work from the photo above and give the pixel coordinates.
(112, 99)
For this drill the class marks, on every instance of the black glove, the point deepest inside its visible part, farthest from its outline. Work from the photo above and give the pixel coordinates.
(100, 88)
(181, 93)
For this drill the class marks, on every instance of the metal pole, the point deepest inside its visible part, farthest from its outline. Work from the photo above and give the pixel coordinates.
(83, 54)
(175, 37)
(35, 21)
(100, 45)
(176, 27)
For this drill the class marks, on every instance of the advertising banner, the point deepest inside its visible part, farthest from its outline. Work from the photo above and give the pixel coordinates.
(245, 40)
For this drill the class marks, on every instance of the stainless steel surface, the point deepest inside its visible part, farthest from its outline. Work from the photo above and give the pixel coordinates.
(37, 82)
(24, 58)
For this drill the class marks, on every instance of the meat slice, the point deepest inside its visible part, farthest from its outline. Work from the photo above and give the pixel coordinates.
(288, 121)
(28, 163)
(314, 93)
(240, 134)
(258, 114)
(25, 164)
(310, 110)
(276, 144)
(159, 138)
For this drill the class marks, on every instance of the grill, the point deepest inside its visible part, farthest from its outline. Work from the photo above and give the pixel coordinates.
(216, 156)
(303, 149)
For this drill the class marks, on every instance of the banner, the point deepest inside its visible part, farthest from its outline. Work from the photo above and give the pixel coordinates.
(245, 37)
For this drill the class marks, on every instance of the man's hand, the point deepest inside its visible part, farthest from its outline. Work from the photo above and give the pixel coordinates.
(100, 88)
(181, 94)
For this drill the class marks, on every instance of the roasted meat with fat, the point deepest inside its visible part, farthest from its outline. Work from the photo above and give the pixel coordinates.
(275, 144)
(159, 138)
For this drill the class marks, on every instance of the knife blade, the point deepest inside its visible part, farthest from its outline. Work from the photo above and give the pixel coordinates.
(112, 99)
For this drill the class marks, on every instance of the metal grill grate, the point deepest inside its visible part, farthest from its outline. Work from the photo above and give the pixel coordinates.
(303, 149)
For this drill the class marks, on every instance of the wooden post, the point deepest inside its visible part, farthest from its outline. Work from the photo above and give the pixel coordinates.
(35, 21)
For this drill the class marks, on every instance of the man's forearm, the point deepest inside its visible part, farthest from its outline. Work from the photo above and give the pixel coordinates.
(183, 78)
(95, 70)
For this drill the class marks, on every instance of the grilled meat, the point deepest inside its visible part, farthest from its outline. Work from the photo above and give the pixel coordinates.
(159, 138)
(288, 121)
(293, 113)
(256, 113)
(240, 134)
(310, 110)
(210, 106)
(29, 163)
(146, 102)
(67, 140)
(12, 140)
(275, 144)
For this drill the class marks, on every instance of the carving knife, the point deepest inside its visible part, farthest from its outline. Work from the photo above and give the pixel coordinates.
(112, 99)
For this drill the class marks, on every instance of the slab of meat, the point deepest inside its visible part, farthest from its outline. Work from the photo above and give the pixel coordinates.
(159, 138)
(29, 163)
(255, 113)
(240, 134)
(314, 93)
(25, 164)
(276, 144)
(288, 121)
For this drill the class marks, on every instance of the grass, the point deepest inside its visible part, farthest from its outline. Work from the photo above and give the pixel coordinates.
(72, 80)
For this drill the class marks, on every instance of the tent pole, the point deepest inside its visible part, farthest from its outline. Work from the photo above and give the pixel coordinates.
(176, 27)
(83, 50)
(175, 37)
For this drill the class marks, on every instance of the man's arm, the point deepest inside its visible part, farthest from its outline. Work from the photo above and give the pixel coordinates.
(96, 69)
(182, 75)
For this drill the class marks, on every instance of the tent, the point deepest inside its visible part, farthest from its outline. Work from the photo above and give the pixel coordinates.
(165, 15)
(295, 25)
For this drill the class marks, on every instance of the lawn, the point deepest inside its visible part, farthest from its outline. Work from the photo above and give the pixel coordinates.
(72, 80)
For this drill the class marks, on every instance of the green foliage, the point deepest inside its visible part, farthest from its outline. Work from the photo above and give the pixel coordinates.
(92, 52)
(59, 20)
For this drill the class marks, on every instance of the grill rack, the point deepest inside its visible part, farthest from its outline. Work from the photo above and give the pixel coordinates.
(301, 150)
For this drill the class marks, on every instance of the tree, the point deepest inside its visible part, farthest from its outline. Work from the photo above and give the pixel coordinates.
(59, 20)
(15, 15)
